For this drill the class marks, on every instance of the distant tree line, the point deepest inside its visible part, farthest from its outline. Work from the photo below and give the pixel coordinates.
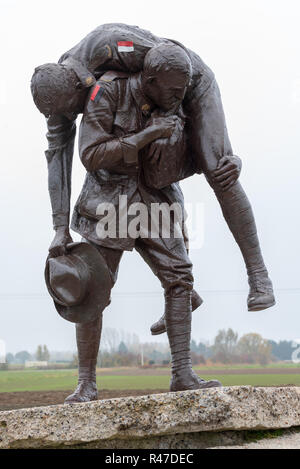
(250, 348)
(42, 354)
(282, 350)
(124, 349)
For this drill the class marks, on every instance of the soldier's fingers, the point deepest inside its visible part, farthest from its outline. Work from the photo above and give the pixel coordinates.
(223, 176)
(222, 161)
(168, 131)
(229, 186)
(227, 167)
(227, 181)
(172, 120)
(225, 184)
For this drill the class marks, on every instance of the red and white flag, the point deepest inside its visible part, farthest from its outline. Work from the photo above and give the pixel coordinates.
(125, 46)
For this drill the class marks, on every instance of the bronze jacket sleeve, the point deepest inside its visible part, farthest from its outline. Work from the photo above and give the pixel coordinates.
(99, 147)
(61, 136)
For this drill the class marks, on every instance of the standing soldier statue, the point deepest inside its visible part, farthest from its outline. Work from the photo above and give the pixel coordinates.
(152, 115)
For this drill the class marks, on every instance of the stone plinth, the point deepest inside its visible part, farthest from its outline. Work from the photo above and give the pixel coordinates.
(188, 419)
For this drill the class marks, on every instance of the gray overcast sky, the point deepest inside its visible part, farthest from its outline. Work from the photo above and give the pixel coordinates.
(253, 48)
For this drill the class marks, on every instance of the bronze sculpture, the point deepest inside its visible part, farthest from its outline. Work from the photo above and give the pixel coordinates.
(129, 117)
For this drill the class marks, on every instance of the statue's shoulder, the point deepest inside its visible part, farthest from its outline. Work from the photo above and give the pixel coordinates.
(112, 75)
(107, 85)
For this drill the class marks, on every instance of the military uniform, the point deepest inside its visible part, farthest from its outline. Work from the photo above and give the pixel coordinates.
(116, 108)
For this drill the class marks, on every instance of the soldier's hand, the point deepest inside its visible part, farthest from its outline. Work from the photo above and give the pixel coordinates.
(164, 125)
(61, 239)
(163, 146)
(162, 120)
(228, 171)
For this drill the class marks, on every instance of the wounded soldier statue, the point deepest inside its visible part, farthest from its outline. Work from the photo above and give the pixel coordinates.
(152, 116)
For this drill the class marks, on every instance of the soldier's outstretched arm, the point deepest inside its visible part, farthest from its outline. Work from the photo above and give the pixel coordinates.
(61, 136)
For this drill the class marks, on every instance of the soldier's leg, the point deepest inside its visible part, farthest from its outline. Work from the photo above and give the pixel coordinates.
(169, 261)
(211, 142)
(88, 340)
(159, 327)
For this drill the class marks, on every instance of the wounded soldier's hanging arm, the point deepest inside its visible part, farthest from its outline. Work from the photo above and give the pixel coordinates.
(61, 136)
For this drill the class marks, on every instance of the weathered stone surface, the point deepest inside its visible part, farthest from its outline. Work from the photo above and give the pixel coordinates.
(171, 420)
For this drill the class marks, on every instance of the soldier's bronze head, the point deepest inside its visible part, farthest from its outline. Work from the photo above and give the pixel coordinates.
(56, 89)
(166, 75)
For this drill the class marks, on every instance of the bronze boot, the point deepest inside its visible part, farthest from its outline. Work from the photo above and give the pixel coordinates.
(261, 294)
(88, 339)
(159, 327)
(178, 321)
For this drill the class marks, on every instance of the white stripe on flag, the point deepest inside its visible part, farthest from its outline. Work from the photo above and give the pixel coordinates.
(125, 49)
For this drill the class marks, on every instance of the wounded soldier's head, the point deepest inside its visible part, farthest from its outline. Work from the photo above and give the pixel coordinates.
(56, 89)
(167, 73)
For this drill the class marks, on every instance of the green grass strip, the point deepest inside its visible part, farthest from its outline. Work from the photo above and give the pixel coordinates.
(12, 381)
